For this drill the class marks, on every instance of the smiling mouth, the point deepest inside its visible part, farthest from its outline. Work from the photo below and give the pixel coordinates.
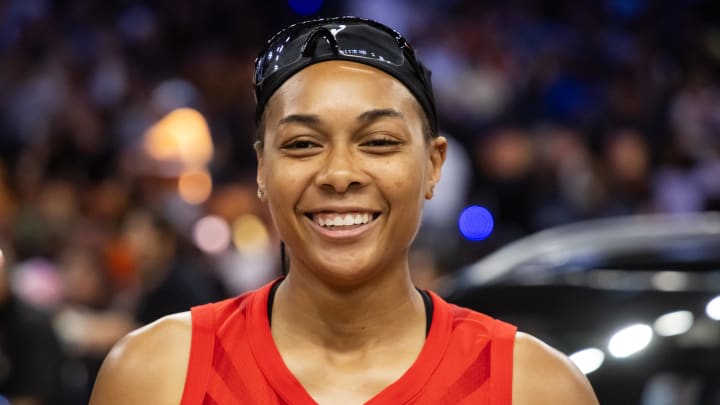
(342, 220)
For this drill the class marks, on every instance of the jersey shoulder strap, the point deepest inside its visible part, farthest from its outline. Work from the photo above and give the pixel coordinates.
(501, 363)
(201, 349)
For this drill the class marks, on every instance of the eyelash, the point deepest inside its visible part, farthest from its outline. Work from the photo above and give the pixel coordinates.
(384, 142)
(381, 142)
(301, 144)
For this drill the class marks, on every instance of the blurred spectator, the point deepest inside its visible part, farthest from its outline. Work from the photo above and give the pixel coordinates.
(170, 280)
(31, 359)
(505, 160)
(569, 185)
(88, 322)
(627, 159)
(695, 116)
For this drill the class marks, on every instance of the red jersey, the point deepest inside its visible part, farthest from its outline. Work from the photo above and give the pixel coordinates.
(467, 359)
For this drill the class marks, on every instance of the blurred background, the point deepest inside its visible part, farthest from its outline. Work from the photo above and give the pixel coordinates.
(127, 174)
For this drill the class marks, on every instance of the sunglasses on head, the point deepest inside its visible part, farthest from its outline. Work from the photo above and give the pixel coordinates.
(344, 38)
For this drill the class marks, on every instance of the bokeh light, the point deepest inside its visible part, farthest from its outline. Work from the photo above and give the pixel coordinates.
(305, 7)
(630, 340)
(674, 323)
(588, 360)
(37, 281)
(211, 234)
(182, 135)
(476, 223)
(250, 234)
(713, 308)
(195, 186)
(670, 281)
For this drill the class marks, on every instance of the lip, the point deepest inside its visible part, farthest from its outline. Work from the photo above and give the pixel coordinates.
(340, 209)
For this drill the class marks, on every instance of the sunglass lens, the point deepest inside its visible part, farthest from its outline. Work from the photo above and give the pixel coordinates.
(354, 41)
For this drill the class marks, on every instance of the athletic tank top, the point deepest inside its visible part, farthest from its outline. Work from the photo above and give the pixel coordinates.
(467, 359)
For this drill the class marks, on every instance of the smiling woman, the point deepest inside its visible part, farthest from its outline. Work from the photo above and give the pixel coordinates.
(345, 138)
(348, 152)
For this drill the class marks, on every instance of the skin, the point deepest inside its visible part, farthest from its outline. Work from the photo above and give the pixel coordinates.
(347, 303)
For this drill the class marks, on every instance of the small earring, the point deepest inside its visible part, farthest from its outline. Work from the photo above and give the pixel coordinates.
(260, 194)
(430, 193)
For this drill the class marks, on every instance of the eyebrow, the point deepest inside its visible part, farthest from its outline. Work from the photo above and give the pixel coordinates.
(373, 115)
(300, 119)
(366, 117)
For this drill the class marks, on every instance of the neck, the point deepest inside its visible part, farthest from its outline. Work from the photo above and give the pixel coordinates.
(350, 317)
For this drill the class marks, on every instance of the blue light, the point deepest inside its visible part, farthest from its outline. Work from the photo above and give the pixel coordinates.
(476, 223)
(305, 7)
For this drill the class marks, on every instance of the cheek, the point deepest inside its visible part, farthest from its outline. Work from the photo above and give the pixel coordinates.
(404, 178)
(417, 167)
(284, 184)
(285, 177)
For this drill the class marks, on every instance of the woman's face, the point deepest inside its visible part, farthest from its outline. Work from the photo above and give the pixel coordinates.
(345, 169)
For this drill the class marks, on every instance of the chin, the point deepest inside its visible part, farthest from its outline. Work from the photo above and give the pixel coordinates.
(346, 273)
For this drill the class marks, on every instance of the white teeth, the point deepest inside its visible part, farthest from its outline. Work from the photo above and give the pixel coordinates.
(347, 219)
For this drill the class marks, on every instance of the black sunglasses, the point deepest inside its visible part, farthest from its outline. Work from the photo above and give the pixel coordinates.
(349, 38)
(353, 37)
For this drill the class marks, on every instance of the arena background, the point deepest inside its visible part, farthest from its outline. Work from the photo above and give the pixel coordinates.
(127, 184)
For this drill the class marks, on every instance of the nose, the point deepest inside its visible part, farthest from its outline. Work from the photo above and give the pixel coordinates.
(340, 171)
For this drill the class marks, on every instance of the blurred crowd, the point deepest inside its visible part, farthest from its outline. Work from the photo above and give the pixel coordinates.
(556, 113)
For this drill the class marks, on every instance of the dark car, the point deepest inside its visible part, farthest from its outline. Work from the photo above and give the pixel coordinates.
(576, 286)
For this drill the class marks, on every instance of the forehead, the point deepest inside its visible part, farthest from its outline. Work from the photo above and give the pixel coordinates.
(331, 86)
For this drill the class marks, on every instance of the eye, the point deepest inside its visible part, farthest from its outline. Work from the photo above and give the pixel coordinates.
(300, 144)
(383, 142)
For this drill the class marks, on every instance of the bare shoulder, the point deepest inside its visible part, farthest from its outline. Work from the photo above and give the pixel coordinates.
(147, 366)
(543, 375)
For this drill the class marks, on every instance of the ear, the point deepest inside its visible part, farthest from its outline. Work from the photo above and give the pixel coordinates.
(437, 153)
(262, 195)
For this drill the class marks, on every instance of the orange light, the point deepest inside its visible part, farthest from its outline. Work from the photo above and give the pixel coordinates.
(182, 135)
(250, 235)
(195, 186)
